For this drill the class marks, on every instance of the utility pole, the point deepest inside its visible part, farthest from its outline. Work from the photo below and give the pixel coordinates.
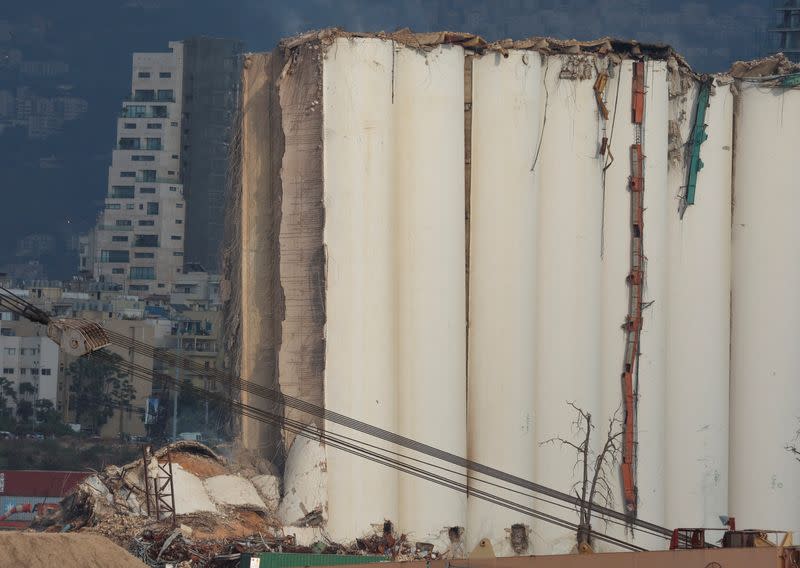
(177, 386)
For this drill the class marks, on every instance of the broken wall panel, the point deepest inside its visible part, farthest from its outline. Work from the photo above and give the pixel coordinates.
(301, 254)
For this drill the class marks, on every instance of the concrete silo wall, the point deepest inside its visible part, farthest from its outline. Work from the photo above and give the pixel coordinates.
(375, 170)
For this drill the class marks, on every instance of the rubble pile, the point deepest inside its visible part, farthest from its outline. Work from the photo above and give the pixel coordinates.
(222, 509)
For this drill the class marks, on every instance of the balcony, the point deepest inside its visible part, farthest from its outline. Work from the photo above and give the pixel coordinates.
(115, 227)
(143, 179)
(128, 112)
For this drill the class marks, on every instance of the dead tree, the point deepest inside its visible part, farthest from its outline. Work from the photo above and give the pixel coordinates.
(594, 487)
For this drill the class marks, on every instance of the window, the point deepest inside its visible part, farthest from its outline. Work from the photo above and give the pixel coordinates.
(176, 237)
(144, 95)
(173, 188)
(179, 221)
(174, 156)
(152, 208)
(8, 370)
(166, 95)
(144, 255)
(144, 74)
(122, 192)
(130, 125)
(129, 143)
(134, 111)
(147, 223)
(128, 206)
(154, 125)
(117, 271)
(123, 223)
(113, 206)
(34, 371)
(148, 175)
(146, 241)
(170, 173)
(143, 158)
(142, 273)
(164, 75)
(179, 205)
(153, 143)
(147, 190)
(114, 256)
(10, 350)
(119, 239)
(139, 287)
(127, 174)
(159, 111)
(23, 371)
(177, 253)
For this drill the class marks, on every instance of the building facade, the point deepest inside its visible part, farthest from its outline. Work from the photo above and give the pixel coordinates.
(138, 241)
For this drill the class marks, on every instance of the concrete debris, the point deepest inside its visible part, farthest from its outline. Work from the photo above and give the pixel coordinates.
(223, 510)
(269, 487)
(233, 491)
(305, 480)
(616, 49)
(766, 67)
(577, 67)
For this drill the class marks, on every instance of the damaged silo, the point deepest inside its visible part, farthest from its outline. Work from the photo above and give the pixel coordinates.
(452, 240)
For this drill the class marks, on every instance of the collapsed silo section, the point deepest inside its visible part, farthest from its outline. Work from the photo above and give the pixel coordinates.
(696, 458)
(765, 360)
(568, 272)
(430, 250)
(258, 297)
(503, 225)
(360, 233)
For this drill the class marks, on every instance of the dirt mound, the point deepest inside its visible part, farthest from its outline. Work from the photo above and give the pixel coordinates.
(44, 550)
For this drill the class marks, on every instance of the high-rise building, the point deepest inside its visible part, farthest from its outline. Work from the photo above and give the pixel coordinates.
(788, 28)
(211, 80)
(167, 179)
(138, 241)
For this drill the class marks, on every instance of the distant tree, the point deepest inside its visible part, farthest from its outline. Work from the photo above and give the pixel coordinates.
(97, 386)
(7, 394)
(26, 389)
(24, 410)
(49, 419)
(593, 488)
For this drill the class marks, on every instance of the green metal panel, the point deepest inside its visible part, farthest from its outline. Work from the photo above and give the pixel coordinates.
(697, 138)
(291, 560)
(790, 81)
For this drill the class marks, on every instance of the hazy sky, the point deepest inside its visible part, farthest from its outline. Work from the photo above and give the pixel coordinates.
(96, 38)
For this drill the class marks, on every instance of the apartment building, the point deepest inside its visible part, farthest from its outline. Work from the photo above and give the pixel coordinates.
(28, 357)
(138, 241)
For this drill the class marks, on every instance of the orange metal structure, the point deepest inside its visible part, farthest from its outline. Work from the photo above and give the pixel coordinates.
(633, 321)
